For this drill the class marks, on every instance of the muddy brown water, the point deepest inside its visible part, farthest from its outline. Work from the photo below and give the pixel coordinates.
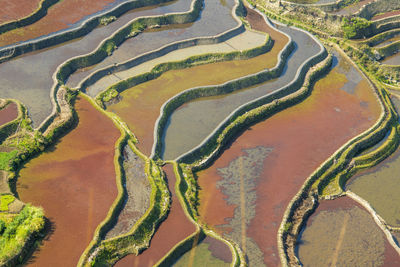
(15, 9)
(386, 15)
(145, 100)
(194, 121)
(245, 192)
(57, 19)
(174, 229)
(8, 113)
(210, 252)
(380, 185)
(343, 233)
(34, 81)
(74, 182)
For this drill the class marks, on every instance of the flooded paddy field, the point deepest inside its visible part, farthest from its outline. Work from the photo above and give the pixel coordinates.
(145, 100)
(243, 41)
(380, 185)
(210, 252)
(215, 18)
(138, 194)
(8, 113)
(174, 229)
(16, 9)
(389, 41)
(74, 182)
(386, 15)
(392, 60)
(245, 192)
(342, 233)
(60, 16)
(29, 77)
(191, 123)
(353, 8)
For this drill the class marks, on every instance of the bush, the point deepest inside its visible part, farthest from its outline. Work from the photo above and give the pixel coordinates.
(355, 27)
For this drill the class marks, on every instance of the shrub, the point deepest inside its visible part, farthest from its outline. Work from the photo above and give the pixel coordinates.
(355, 27)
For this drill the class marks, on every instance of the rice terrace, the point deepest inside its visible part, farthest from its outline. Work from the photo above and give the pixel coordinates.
(198, 133)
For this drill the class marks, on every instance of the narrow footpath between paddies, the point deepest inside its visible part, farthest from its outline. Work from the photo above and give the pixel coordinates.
(74, 182)
(8, 113)
(241, 42)
(255, 178)
(174, 229)
(341, 233)
(16, 9)
(146, 99)
(215, 18)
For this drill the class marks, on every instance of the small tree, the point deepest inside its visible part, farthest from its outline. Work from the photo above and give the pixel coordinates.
(355, 27)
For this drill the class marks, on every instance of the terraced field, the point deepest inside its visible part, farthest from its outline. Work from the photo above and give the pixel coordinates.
(199, 133)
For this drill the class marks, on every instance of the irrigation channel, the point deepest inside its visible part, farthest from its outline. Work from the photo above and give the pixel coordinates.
(342, 233)
(242, 183)
(74, 182)
(34, 81)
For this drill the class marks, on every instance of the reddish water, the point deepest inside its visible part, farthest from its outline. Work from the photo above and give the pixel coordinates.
(299, 138)
(9, 113)
(386, 15)
(59, 17)
(391, 257)
(145, 100)
(74, 182)
(16, 9)
(174, 229)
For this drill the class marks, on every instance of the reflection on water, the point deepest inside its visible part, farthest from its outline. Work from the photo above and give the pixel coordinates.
(74, 182)
(341, 234)
(210, 252)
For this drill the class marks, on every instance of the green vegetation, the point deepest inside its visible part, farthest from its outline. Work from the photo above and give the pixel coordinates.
(5, 200)
(5, 159)
(161, 68)
(355, 27)
(29, 222)
(107, 20)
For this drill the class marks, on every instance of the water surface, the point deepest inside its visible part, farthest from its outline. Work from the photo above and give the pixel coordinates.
(174, 229)
(8, 113)
(342, 233)
(74, 182)
(245, 192)
(28, 78)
